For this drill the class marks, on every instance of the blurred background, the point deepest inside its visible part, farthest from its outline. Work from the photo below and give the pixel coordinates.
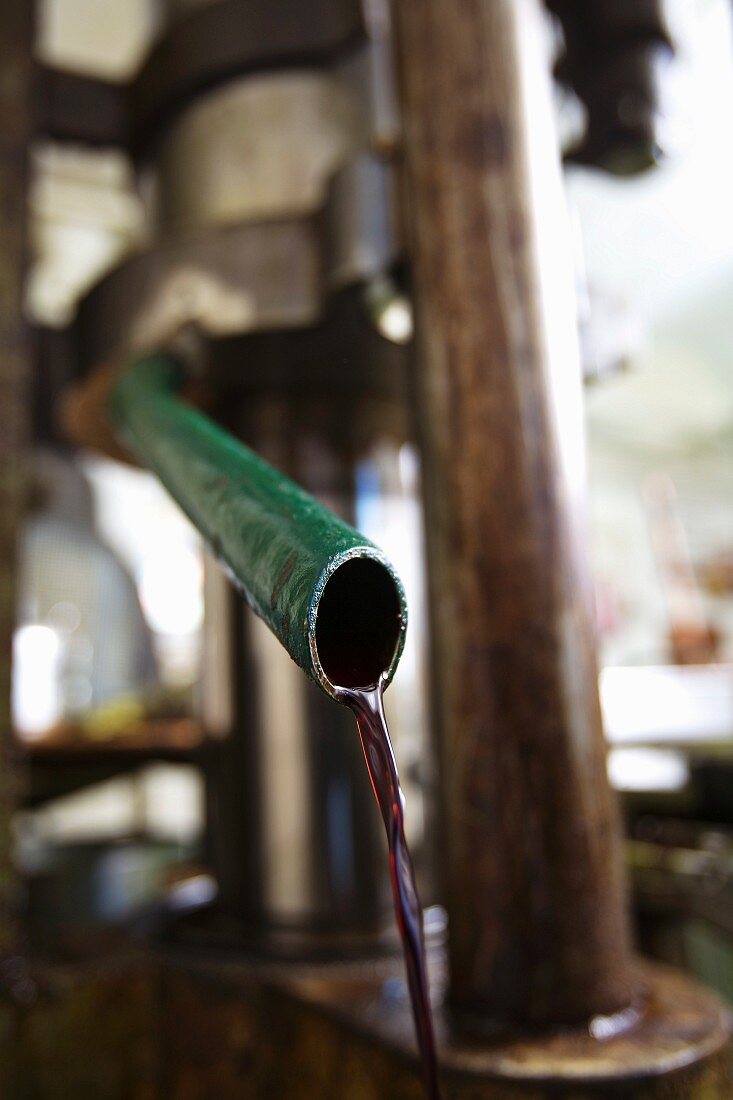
(120, 706)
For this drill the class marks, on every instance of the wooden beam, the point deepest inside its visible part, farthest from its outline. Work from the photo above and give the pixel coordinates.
(15, 82)
(535, 893)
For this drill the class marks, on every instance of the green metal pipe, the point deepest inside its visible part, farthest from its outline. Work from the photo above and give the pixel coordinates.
(328, 594)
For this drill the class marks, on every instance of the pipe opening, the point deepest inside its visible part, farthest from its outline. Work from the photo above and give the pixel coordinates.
(358, 623)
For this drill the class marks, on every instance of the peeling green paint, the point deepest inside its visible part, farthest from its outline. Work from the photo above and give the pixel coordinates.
(278, 543)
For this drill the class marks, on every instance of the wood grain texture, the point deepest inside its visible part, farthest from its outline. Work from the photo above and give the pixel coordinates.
(535, 893)
(182, 1027)
(331, 1033)
(15, 77)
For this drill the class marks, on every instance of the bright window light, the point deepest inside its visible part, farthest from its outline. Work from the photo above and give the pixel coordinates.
(37, 702)
(395, 320)
(648, 770)
(170, 585)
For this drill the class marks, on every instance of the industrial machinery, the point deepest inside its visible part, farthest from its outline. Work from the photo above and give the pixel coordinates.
(354, 252)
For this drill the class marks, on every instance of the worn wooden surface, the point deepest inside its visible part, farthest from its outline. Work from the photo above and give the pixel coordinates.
(340, 1032)
(15, 62)
(183, 1028)
(146, 1027)
(538, 930)
(94, 1032)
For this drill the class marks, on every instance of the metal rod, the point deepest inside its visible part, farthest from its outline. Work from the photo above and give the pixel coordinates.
(329, 595)
(535, 892)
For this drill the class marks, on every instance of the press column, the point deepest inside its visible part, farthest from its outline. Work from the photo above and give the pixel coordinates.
(533, 879)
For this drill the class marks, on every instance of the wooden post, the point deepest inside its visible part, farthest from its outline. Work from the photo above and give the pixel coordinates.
(15, 69)
(534, 888)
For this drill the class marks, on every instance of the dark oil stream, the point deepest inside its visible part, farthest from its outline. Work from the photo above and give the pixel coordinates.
(367, 705)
